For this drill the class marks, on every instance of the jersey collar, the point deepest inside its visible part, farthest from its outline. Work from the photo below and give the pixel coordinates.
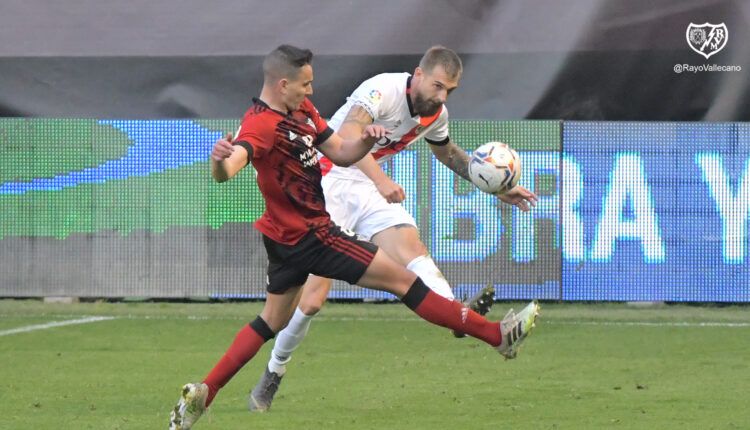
(261, 103)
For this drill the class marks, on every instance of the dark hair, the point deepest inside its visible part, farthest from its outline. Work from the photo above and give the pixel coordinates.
(285, 62)
(441, 56)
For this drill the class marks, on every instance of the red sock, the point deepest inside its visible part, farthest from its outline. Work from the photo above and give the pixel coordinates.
(247, 342)
(450, 313)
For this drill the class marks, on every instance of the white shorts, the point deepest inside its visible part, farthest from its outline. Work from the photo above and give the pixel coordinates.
(358, 206)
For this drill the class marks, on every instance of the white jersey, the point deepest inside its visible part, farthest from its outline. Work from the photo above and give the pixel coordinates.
(386, 97)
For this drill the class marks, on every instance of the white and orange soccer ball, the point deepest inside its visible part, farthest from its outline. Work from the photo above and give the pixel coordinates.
(495, 168)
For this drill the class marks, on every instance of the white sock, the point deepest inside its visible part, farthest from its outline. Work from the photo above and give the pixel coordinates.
(426, 269)
(288, 340)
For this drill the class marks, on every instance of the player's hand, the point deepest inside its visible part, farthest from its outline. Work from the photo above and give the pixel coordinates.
(519, 197)
(372, 133)
(391, 191)
(222, 148)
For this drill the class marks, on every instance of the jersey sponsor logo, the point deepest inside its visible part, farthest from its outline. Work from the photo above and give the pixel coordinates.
(310, 161)
(388, 146)
(309, 157)
(384, 142)
(392, 147)
(306, 139)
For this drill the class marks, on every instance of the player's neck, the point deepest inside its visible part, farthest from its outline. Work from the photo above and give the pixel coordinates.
(270, 98)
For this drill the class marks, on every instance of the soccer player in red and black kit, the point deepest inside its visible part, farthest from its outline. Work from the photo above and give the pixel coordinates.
(279, 135)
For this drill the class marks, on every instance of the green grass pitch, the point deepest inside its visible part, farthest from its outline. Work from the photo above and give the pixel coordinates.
(379, 367)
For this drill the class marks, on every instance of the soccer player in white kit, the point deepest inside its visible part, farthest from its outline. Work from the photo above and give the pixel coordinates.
(363, 199)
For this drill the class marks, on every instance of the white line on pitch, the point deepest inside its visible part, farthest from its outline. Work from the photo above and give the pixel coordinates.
(655, 323)
(53, 324)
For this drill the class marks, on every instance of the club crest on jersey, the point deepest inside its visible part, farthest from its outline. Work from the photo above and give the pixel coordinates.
(707, 39)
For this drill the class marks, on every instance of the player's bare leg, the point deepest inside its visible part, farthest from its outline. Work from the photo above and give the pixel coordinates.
(314, 294)
(195, 398)
(402, 243)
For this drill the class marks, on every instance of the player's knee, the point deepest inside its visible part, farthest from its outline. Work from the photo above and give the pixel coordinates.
(311, 306)
(414, 249)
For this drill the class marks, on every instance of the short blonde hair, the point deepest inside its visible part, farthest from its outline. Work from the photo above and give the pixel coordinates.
(442, 56)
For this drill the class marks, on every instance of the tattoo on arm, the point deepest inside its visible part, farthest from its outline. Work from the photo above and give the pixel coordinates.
(457, 160)
(358, 116)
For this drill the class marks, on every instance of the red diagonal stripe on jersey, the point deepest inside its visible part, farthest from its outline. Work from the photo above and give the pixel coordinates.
(424, 122)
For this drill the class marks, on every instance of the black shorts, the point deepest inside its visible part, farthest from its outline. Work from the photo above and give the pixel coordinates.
(326, 251)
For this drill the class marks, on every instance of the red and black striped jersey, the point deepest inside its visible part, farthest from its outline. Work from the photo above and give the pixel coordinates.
(289, 174)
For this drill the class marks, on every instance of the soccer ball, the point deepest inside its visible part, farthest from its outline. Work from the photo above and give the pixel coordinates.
(495, 168)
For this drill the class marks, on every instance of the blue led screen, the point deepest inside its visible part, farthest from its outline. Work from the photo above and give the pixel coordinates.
(655, 211)
(627, 211)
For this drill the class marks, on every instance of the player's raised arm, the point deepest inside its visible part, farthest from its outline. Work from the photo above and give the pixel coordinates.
(228, 159)
(345, 152)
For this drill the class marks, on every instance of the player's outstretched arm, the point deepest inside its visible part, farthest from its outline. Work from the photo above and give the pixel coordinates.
(345, 152)
(519, 197)
(228, 159)
(454, 158)
(457, 160)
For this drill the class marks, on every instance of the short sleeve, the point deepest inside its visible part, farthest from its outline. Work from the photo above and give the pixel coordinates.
(258, 133)
(371, 95)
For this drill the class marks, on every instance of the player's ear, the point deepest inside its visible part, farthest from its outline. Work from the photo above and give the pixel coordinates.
(282, 85)
(418, 72)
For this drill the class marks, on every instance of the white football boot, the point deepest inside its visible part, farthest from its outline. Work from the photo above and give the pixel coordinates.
(515, 327)
(190, 407)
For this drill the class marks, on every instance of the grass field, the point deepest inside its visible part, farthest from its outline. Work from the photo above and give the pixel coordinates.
(379, 367)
